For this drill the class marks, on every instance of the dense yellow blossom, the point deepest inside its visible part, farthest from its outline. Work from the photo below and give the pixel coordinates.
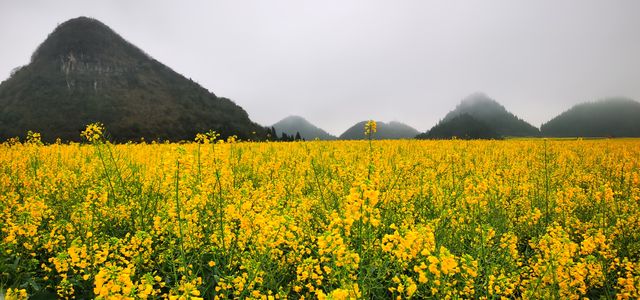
(221, 218)
(16, 294)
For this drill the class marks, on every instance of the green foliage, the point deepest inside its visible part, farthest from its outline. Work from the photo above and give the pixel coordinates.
(463, 126)
(616, 117)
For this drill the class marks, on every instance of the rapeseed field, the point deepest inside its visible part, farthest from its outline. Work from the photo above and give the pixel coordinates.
(216, 219)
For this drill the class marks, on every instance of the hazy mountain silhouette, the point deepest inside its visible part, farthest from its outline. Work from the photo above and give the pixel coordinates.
(462, 126)
(391, 130)
(84, 72)
(493, 114)
(614, 117)
(296, 124)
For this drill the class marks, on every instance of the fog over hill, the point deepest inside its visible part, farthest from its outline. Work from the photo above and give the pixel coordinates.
(385, 70)
(391, 130)
(612, 117)
(410, 61)
(296, 124)
(489, 111)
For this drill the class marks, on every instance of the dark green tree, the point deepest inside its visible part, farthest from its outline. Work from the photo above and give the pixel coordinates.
(616, 117)
(463, 126)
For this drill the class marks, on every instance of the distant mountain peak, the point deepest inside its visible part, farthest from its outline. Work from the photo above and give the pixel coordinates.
(296, 124)
(480, 100)
(87, 23)
(295, 118)
(390, 130)
(394, 122)
(477, 97)
(490, 112)
(85, 38)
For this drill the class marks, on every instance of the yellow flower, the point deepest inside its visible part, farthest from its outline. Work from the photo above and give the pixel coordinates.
(16, 294)
(370, 127)
(93, 132)
(411, 289)
(309, 219)
(34, 138)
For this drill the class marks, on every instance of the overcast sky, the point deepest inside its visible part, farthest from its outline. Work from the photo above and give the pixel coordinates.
(337, 62)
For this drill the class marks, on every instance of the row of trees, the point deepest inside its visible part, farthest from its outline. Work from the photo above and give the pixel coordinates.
(272, 135)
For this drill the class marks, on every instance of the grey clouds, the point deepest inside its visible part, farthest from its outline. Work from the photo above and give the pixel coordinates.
(339, 62)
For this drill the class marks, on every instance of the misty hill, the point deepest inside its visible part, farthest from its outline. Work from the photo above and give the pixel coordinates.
(296, 124)
(486, 110)
(84, 72)
(462, 126)
(391, 130)
(614, 117)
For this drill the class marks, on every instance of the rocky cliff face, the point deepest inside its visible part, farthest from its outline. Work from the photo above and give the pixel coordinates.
(74, 67)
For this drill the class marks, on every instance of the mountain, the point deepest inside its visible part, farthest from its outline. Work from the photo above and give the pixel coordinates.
(613, 117)
(391, 130)
(296, 124)
(84, 72)
(462, 126)
(486, 110)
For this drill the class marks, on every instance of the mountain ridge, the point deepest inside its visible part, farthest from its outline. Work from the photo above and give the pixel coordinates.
(462, 126)
(608, 117)
(390, 130)
(296, 124)
(487, 110)
(84, 72)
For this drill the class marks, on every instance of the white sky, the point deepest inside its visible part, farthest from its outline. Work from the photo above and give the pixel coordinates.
(337, 62)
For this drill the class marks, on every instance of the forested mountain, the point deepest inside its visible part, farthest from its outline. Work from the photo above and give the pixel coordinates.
(296, 124)
(462, 126)
(493, 114)
(613, 117)
(391, 130)
(84, 72)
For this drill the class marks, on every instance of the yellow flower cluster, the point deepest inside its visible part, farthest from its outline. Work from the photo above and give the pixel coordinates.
(16, 294)
(370, 128)
(534, 219)
(32, 138)
(207, 138)
(93, 133)
(628, 282)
